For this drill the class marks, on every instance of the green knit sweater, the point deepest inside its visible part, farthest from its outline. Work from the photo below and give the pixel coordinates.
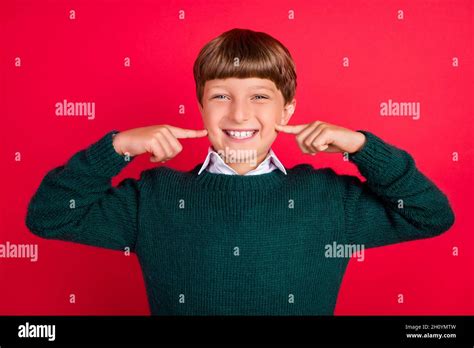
(215, 244)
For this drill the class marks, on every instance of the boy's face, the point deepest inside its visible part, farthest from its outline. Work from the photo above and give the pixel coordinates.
(240, 114)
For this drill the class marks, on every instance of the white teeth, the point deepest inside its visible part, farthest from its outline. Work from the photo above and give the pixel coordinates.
(240, 135)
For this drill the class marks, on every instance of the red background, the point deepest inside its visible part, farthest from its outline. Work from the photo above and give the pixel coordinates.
(82, 60)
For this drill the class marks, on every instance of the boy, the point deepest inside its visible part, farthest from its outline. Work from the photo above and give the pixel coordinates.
(233, 237)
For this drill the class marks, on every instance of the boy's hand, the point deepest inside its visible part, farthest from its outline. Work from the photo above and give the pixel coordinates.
(159, 141)
(320, 136)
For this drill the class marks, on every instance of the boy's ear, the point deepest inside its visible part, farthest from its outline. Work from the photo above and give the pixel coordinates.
(288, 111)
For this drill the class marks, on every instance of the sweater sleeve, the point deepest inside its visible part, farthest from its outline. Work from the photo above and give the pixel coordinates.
(396, 203)
(76, 202)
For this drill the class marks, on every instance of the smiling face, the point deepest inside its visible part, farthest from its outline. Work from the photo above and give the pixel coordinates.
(241, 113)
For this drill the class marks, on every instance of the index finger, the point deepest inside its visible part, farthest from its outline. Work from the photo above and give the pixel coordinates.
(290, 129)
(181, 133)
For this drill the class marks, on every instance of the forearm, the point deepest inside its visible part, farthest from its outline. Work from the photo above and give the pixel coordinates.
(391, 175)
(76, 198)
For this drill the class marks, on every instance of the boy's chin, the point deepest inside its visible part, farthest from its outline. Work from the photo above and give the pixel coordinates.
(230, 152)
(237, 146)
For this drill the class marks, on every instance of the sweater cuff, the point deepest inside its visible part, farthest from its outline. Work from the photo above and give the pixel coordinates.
(103, 158)
(379, 161)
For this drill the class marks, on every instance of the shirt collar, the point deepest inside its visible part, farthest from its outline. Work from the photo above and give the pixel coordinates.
(215, 164)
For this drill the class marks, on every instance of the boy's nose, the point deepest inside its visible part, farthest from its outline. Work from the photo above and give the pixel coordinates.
(240, 114)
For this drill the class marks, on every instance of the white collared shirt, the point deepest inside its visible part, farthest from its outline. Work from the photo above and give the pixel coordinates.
(216, 165)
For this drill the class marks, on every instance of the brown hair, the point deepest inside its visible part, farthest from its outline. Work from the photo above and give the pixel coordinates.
(257, 54)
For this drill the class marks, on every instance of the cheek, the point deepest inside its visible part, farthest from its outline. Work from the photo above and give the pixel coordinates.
(268, 136)
(268, 123)
(211, 124)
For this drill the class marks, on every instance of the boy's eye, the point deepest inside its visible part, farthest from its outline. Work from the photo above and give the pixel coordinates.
(219, 96)
(222, 97)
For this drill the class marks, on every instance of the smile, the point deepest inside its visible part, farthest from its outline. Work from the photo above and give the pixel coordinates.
(240, 134)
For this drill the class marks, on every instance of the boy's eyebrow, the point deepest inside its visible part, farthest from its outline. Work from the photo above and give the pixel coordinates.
(263, 87)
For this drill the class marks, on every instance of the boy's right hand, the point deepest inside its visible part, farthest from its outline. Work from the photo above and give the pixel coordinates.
(160, 141)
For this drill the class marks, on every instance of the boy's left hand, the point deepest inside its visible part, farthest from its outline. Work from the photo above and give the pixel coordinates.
(324, 137)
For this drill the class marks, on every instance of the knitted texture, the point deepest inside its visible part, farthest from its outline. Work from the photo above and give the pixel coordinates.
(219, 244)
